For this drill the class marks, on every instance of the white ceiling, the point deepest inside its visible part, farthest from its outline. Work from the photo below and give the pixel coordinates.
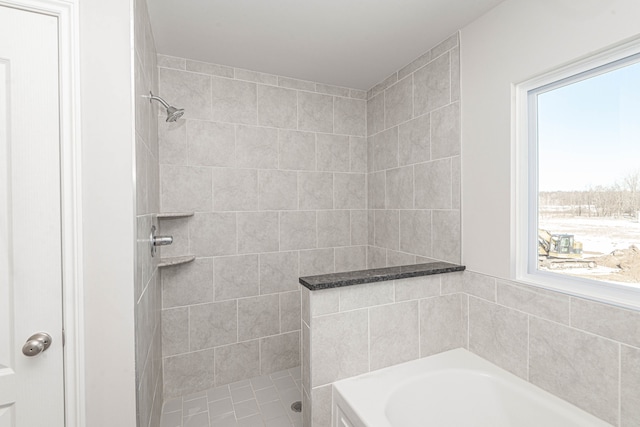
(352, 43)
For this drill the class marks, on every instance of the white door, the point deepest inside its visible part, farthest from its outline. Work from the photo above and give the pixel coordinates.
(31, 388)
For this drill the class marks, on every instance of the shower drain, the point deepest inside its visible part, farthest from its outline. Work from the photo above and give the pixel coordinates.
(296, 406)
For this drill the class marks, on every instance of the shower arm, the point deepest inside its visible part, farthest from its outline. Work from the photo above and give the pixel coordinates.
(152, 97)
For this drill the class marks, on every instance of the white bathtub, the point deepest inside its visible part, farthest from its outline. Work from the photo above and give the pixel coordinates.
(451, 389)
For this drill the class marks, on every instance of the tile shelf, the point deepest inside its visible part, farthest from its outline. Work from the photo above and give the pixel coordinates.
(178, 260)
(174, 215)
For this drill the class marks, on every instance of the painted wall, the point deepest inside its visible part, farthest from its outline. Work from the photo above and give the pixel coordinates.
(108, 211)
(275, 171)
(147, 280)
(515, 41)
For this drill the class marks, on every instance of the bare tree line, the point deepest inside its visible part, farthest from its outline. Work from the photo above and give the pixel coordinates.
(620, 199)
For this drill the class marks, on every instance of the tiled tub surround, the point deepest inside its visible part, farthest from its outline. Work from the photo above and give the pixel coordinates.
(275, 171)
(147, 281)
(356, 329)
(413, 138)
(585, 352)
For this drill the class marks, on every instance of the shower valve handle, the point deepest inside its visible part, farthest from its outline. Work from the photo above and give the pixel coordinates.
(162, 240)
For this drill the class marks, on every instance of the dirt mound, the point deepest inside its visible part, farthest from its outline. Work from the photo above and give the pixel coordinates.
(626, 260)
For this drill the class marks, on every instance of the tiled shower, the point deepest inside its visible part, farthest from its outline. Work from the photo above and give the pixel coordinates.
(289, 178)
(276, 172)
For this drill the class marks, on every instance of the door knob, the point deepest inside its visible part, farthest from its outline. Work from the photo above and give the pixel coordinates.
(36, 344)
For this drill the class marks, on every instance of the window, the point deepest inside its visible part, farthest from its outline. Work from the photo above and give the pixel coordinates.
(578, 178)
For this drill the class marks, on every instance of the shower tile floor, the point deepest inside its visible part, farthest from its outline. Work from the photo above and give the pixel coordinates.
(261, 401)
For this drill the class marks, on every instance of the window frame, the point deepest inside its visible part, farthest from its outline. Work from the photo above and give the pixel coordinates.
(524, 176)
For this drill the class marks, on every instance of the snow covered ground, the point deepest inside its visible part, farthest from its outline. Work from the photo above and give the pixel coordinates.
(598, 235)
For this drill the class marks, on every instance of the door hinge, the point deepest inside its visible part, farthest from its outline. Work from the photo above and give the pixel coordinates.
(63, 338)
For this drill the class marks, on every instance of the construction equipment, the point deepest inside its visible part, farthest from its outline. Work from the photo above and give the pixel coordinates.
(557, 251)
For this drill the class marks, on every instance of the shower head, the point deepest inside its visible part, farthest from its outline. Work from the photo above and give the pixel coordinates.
(173, 113)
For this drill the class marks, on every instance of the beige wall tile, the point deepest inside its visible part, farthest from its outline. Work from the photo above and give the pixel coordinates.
(256, 147)
(376, 257)
(387, 233)
(298, 230)
(445, 131)
(419, 62)
(277, 107)
(210, 144)
(278, 272)
(213, 234)
(398, 102)
(415, 232)
(188, 373)
(333, 228)
(414, 139)
(359, 225)
(258, 317)
(629, 386)
(445, 45)
(499, 335)
(234, 101)
(257, 232)
(606, 320)
(277, 190)
(235, 189)
(446, 235)
(211, 325)
(315, 112)
(254, 76)
(350, 191)
(578, 367)
(383, 150)
(417, 287)
(554, 307)
(393, 331)
(432, 85)
(190, 91)
(349, 116)
(395, 258)
(175, 331)
(358, 154)
(315, 190)
(375, 114)
(333, 153)
(297, 150)
(236, 277)
(188, 284)
(165, 61)
(332, 337)
(452, 283)
(399, 188)
(237, 362)
(185, 188)
(376, 190)
(279, 352)
(289, 311)
(325, 301)
(433, 185)
(479, 285)
(173, 142)
(317, 261)
(441, 326)
(366, 295)
(351, 258)
(321, 411)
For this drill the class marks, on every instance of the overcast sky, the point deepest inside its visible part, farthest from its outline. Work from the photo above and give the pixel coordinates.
(589, 132)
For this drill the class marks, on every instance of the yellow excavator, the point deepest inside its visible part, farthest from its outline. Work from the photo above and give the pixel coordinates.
(557, 251)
